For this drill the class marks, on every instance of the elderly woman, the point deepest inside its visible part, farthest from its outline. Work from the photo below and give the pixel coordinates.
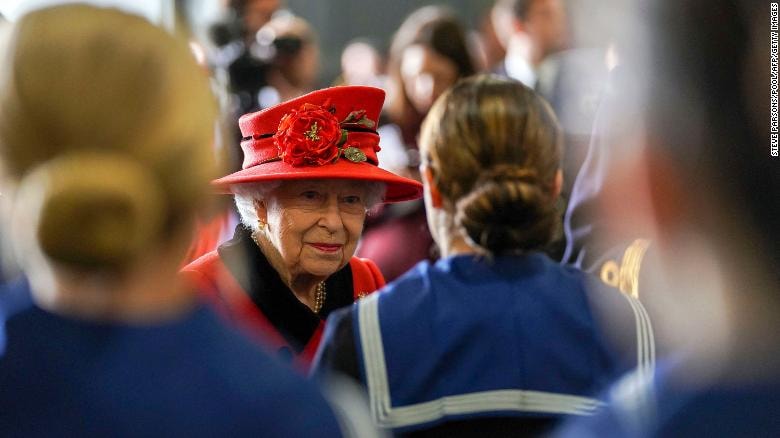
(495, 338)
(105, 149)
(310, 173)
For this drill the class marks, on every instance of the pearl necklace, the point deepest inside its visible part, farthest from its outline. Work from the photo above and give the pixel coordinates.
(319, 297)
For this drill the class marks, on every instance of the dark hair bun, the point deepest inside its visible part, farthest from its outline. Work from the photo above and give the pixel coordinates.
(508, 210)
(93, 210)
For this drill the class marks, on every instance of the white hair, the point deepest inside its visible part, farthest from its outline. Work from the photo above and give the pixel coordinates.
(245, 196)
(375, 193)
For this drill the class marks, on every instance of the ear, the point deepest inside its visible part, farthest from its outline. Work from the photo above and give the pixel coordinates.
(666, 189)
(430, 185)
(262, 210)
(517, 25)
(557, 185)
(627, 202)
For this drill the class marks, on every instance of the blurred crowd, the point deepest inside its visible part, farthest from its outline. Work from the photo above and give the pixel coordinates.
(504, 225)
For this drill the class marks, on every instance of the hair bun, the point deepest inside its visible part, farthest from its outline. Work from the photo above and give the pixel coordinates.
(507, 211)
(93, 209)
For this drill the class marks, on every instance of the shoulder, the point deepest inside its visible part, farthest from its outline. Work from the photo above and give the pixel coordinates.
(363, 262)
(221, 381)
(623, 322)
(607, 303)
(673, 402)
(255, 388)
(15, 302)
(279, 393)
(338, 328)
(415, 277)
(574, 276)
(19, 316)
(14, 297)
(340, 347)
(206, 263)
(620, 322)
(337, 351)
(204, 272)
(366, 276)
(366, 273)
(630, 403)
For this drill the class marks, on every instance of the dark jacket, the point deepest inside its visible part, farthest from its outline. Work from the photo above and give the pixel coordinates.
(242, 284)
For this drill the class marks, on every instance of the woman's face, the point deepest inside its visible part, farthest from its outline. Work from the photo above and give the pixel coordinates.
(426, 75)
(314, 225)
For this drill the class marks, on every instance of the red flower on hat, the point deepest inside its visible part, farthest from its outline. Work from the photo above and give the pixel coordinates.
(309, 136)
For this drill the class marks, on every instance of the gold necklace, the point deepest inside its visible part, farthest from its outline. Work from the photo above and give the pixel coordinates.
(319, 297)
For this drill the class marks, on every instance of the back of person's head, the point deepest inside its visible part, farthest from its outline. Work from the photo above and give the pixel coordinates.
(708, 159)
(105, 130)
(698, 180)
(494, 149)
(708, 115)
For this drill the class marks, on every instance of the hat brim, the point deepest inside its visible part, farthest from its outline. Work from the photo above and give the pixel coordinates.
(398, 188)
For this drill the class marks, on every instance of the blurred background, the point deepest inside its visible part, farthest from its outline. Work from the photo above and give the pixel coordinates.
(261, 52)
(339, 21)
(336, 21)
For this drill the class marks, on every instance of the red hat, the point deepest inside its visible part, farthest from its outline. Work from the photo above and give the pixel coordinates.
(326, 134)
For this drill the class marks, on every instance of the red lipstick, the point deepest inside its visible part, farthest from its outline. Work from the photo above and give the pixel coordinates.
(327, 247)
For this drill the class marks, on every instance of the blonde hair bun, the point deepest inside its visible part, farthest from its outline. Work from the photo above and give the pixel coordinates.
(507, 211)
(93, 210)
(107, 122)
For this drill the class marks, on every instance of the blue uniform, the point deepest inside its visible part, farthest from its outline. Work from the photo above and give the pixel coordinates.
(661, 405)
(620, 260)
(188, 377)
(468, 338)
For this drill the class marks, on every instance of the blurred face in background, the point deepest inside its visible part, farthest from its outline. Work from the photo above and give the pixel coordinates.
(546, 24)
(426, 75)
(360, 64)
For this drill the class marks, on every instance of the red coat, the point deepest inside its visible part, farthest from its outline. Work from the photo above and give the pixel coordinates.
(210, 276)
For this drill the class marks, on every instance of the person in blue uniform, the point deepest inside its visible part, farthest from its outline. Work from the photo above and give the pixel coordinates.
(616, 250)
(494, 339)
(703, 190)
(185, 375)
(105, 130)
